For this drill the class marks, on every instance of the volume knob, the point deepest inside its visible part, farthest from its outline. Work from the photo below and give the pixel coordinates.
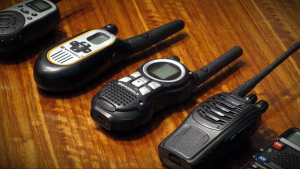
(262, 105)
(252, 98)
(111, 28)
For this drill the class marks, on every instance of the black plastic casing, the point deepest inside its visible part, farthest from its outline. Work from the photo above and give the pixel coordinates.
(123, 104)
(201, 139)
(52, 77)
(65, 77)
(287, 157)
(17, 40)
(133, 114)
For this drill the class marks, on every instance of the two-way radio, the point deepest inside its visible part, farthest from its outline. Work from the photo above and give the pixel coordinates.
(218, 125)
(77, 60)
(26, 22)
(284, 153)
(131, 101)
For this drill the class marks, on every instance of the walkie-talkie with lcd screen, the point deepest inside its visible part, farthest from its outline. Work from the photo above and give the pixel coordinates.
(218, 125)
(284, 153)
(25, 22)
(75, 61)
(131, 101)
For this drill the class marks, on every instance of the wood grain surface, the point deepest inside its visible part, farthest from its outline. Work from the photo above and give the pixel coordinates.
(41, 129)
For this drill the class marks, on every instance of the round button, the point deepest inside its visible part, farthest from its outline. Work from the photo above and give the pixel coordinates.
(34, 14)
(29, 17)
(11, 21)
(24, 11)
(20, 6)
(4, 21)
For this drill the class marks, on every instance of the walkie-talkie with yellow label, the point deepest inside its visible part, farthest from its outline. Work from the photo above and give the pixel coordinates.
(77, 60)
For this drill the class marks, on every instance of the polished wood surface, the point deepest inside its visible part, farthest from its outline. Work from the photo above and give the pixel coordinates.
(40, 129)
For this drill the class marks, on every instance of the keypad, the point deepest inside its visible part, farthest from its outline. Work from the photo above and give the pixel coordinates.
(262, 158)
(136, 74)
(11, 21)
(24, 11)
(254, 166)
(140, 81)
(125, 79)
(85, 44)
(287, 157)
(251, 165)
(144, 90)
(278, 145)
(80, 47)
(276, 155)
(5, 21)
(154, 85)
(143, 84)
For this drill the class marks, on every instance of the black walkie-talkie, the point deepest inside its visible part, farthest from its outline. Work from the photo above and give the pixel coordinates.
(218, 125)
(284, 153)
(25, 22)
(77, 60)
(131, 101)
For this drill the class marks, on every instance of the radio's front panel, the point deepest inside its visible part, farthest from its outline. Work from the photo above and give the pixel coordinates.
(212, 128)
(15, 17)
(26, 21)
(135, 90)
(281, 154)
(130, 92)
(130, 101)
(80, 47)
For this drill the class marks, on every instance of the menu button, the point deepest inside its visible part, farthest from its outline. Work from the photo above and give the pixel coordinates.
(24, 11)
(144, 90)
(154, 85)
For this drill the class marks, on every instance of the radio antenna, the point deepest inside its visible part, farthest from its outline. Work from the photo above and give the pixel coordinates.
(250, 84)
(145, 40)
(215, 66)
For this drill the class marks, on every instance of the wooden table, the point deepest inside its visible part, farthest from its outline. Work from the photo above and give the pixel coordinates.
(41, 129)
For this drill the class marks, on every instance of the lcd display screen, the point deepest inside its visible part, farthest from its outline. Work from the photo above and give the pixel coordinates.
(40, 5)
(98, 38)
(294, 138)
(164, 70)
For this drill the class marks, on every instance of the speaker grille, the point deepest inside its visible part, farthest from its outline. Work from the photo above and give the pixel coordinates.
(117, 94)
(219, 110)
(287, 158)
(61, 57)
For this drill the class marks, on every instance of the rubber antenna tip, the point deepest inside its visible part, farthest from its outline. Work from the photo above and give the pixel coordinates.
(296, 45)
